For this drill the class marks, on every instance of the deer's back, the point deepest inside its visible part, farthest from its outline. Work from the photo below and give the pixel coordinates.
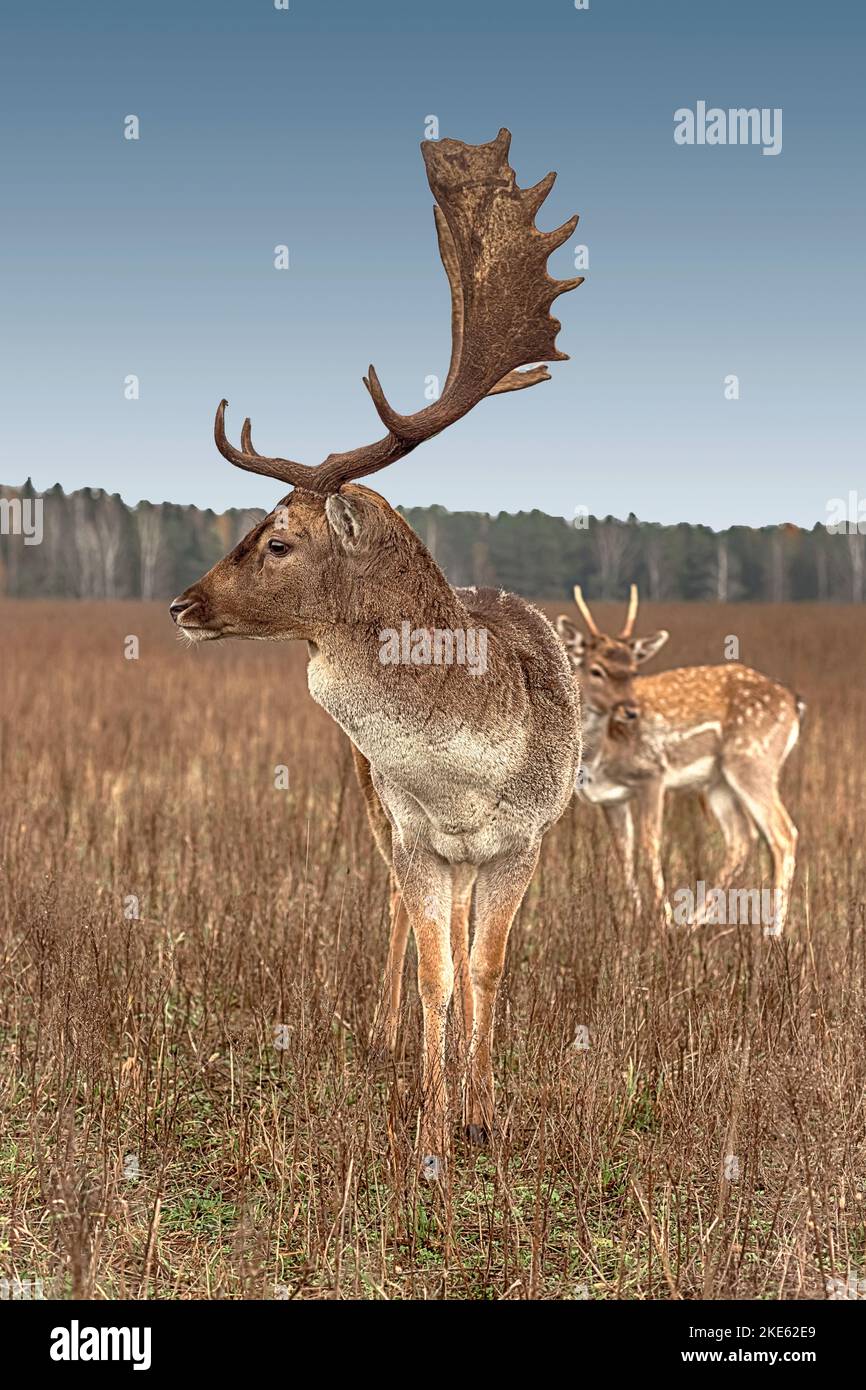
(733, 696)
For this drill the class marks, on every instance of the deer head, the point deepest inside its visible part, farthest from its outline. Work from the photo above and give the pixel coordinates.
(606, 666)
(332, 547)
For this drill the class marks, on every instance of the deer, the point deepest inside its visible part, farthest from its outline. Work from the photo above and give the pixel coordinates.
(463, 770)
(724, 731)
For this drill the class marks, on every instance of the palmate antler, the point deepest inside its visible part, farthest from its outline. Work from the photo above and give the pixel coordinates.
(496, 261)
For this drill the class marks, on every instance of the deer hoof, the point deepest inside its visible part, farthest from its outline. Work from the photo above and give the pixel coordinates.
(432, 1168)
(477, 1135)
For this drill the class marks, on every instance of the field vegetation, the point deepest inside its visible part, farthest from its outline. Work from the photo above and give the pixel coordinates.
(191, 953)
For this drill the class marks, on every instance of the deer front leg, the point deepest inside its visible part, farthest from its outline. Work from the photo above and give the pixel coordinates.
(387, 1019)
(425, 882)
(621, 826)
(499, 892)
(462, 884)
(651, 800)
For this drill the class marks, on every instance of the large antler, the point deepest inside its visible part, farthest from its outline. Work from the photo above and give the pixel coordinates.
(496, 261)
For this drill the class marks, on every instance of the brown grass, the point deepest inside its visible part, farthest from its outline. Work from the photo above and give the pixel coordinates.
(289, 1172)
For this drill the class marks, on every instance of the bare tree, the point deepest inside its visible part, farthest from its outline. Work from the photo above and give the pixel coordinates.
(151, 547)
(612, 544)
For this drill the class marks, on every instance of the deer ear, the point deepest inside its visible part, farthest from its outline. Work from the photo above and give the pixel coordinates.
(572, 636)
(642, 648)
(346, 520)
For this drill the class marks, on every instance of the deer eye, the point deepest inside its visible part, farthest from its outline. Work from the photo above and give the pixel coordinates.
(597, 672)
(278, 547)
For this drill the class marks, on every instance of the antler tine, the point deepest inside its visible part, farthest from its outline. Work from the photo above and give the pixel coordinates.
(247, 445)
(631, 614)
(584, 611)
(296, 474)
(533, 197)
(400, 426)
(518, 381)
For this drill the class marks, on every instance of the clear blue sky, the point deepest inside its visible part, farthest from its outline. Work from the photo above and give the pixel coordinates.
(302, 127)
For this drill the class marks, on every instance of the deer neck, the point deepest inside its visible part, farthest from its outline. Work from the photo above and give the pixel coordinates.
(594, 729)
(407, 648)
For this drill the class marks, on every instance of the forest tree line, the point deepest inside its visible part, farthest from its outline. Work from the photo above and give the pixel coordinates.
(93, 545)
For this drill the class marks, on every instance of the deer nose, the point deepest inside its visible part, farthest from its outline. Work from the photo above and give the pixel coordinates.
(180, 605)
(626, 710)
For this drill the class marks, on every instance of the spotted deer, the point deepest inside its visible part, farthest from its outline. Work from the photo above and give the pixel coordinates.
(463, 769)
(724, 731)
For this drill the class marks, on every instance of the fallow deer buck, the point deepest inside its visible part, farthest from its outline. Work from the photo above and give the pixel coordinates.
(725, 731)
(464, 770)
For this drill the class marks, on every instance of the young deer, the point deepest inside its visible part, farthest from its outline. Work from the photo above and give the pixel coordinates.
(465, 767)
(722, 730)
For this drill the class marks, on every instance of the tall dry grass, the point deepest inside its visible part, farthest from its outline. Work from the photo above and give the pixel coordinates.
(157, 1143)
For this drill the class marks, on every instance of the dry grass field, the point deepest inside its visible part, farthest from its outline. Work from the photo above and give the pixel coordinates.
(164, 908)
